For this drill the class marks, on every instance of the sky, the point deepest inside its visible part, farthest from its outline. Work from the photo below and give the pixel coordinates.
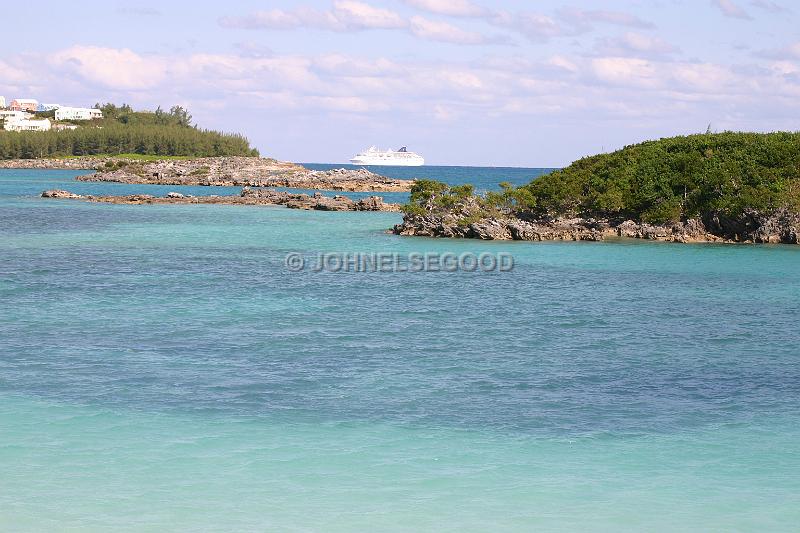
(462, 82)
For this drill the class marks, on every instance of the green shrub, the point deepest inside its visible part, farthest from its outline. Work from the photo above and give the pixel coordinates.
(655, 181)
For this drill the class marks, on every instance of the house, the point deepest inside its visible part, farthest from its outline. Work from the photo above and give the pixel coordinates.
(77, 113)
(24, 104)
(27, 125)
(2, 102)
(14, 115)
(47, 107)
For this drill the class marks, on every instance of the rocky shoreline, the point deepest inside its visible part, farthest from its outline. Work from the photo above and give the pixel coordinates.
(248, 196)
(230, 171)
(67, 163)
(779, 227)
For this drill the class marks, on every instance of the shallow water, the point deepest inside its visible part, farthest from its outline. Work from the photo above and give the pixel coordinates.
(160, 369)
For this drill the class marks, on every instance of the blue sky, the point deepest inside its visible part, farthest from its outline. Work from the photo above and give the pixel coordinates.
(461, 82)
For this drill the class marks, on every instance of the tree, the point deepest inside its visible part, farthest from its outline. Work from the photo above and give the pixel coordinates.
(181, 115)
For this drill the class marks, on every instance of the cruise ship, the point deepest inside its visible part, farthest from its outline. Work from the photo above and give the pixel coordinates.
(400, 158)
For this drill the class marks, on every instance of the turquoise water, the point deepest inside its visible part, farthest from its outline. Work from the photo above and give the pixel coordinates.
(160, 369)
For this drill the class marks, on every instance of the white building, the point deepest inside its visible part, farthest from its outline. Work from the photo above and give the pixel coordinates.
(77, 113)
(2, 102)
(27, 125)
(14, 115)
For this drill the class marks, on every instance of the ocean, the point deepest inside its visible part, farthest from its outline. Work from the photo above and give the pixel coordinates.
(161, 370)
(483, 178)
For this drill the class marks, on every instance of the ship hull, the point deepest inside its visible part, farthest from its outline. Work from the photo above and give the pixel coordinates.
(374, 162)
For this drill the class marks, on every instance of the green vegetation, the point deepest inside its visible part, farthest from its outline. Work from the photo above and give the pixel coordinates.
(656, 181)
(133, 157)
(124, 114)
(200, 171)
(122, 130)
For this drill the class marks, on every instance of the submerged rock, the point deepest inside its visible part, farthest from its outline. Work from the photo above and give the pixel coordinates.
(60, 194)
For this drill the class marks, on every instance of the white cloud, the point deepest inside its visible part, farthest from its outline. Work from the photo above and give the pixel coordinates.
(706, 78)
(335, 89)
(453, 8)
(346, 83)
(588, 18)
(253, 49)
(355, 15)
(442, 31)
(346, 104)
(351, 15)
(769, 5)
(539, 27)
(13, 75)
(345, 15)
(789, 52)
(630, 72)
(361, 15)
(699, 79)
(635, 44)
(111, 67)
(564, 63)
(462, 79)
(241, 72)
(785, 68)
(535, 26)
(444, 113)
(731, 9)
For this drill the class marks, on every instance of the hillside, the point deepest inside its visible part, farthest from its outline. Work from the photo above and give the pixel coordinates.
(125, 131)
(680, 177)
(735, 186)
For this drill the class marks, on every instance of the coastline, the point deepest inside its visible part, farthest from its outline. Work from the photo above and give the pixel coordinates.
(463, 220)
(781, 227)
(248, 196)
(235, 171)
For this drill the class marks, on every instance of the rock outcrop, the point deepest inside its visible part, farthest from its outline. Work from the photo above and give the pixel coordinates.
(781, 226)
(236, 171)
(248, 196)
(502, 229)
(55, 193)
(244, 172)
(66, 163)
(467, 221)
(316, 201)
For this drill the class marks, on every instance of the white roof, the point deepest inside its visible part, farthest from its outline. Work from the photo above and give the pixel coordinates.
(26, 101)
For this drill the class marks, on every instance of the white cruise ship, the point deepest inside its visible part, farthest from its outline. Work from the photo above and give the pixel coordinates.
(400, 158)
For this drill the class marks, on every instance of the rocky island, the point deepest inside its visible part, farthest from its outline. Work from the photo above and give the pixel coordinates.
(231, 171)
(238, 171)
(728, 187)
(248, 196)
